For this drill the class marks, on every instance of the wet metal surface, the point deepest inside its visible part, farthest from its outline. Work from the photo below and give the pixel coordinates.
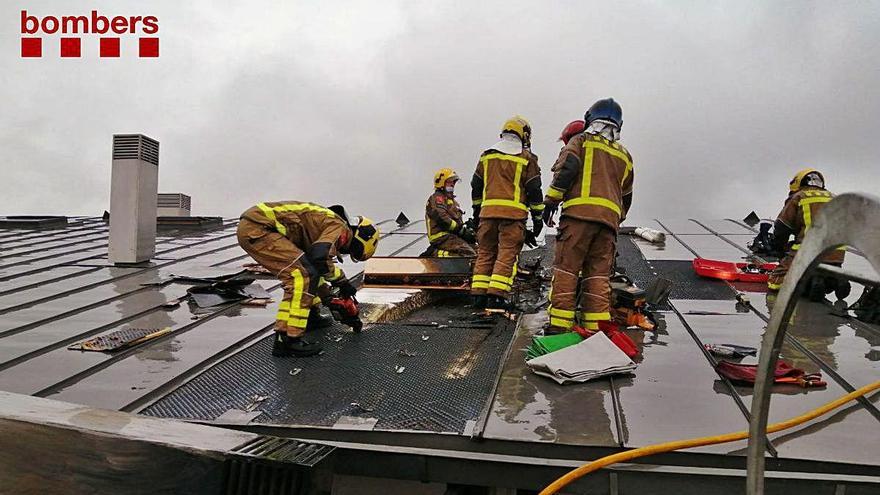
(670, 250)
(712, 247)
(672, 394)
(833, 346)
(534, 408)
(156, 364)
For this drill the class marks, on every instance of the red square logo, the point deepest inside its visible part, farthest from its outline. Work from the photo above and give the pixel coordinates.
(70, 47)
(148, 47)
(109, 47)
(32, 47)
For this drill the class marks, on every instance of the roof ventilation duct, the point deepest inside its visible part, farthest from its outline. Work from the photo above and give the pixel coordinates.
(134, 187)
(174, 205)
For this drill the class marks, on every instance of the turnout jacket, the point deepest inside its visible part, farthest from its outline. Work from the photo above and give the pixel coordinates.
(593, 179)
(443, 215)
(318, 231)
(799, 213)
(507, 186)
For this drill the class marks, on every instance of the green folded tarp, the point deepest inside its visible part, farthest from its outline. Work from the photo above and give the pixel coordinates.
(549, 343)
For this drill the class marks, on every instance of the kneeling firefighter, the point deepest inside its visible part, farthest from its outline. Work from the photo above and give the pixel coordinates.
(806, 198)
(297, 242)
(593, 181)
(448, 233)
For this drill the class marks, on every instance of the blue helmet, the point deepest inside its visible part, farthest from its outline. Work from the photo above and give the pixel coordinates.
(606, 109)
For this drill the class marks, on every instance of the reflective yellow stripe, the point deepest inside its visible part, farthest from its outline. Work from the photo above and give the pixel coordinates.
(537, 207)
(555, 193)
(591, 325)
(335, 275)
(562, 313)
(285, 305)
(773, 286)
(480, 282)
(592, 201)
(305, 207)
(795, 247)
(613, 150)
(596, 316)
(505, 202)
(297, 322)
(434, 237)
(500, 282)
(586, 181)
(562, 323)
(452, 226)
(441, 253)
(520, 164)
(476, 202)
(270, 214)
(296, 308)
(805, 203)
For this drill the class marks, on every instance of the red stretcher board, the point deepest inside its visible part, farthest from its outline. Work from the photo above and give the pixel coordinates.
(728, 270)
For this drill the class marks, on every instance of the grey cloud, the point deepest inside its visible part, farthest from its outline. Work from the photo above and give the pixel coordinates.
(360, 103)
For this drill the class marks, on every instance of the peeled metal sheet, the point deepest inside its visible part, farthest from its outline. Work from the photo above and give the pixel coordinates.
(120, 339)
(418, 273)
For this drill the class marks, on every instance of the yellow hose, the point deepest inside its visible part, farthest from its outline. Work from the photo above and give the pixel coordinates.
(699, 442)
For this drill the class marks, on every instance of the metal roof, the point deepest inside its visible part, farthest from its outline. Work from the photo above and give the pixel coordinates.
(57, 288)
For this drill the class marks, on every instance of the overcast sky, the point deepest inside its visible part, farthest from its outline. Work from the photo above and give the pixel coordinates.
(359, 102)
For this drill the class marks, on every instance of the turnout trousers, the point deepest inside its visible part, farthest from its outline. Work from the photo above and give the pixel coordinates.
(499, 242)
(585, 248)
(452, 245)
(287, 262)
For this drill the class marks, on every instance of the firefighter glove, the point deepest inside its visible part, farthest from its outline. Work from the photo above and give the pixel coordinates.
(346, 290)
(467, 234)
(476, 217)
(549, 212)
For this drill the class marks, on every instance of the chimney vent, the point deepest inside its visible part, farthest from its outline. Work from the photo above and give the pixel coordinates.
(133, 195)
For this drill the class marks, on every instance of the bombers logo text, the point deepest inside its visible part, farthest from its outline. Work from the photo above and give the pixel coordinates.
(71, 27)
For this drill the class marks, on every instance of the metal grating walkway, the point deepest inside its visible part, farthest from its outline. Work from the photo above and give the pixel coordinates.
(447, 373)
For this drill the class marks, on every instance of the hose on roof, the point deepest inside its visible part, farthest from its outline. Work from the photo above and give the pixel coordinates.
(629, 455)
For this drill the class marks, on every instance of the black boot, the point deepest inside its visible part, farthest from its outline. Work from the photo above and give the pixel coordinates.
(496, 304)
(479, 302)
(284, 346)
(318, 320)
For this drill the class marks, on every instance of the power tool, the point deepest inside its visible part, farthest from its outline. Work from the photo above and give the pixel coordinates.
(345, 310)
(628, 303)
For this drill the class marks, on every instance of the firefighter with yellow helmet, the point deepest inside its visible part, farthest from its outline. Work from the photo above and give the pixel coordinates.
(806, 198)
(448, 233)
(505, 191)
(297, 242)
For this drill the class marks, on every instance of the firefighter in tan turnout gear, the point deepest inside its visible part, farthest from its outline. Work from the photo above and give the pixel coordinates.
(593, 180)
(448, 234)
(505, 189)
(297, 242)
(806, 198)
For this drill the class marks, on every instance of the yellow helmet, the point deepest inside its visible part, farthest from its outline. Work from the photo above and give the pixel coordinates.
(519, 126)
(798, 179)
(366, 239)
(443, 175)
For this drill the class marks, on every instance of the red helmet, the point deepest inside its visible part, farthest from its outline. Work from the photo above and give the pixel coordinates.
(573, 127)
